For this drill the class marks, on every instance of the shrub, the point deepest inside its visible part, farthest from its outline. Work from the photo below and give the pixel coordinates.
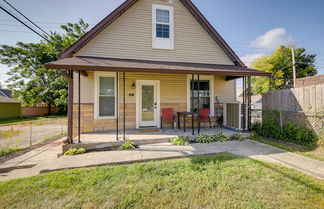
(289, 132)
(221, 137)
(75, 151)
(203, 138)
(179, 140)
(128, 145)
(236, 137)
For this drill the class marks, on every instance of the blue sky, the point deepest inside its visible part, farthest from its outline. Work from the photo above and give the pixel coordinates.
(251, 27)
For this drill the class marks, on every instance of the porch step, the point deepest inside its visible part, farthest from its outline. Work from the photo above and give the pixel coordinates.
(148, 130)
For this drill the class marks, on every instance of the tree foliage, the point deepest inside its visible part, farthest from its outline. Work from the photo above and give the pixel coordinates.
(279, 64)
(30, 81)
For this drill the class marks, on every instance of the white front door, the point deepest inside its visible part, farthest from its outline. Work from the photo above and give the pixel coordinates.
(147, 103)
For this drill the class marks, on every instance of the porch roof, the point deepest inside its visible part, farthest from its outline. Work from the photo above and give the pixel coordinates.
(128, 65)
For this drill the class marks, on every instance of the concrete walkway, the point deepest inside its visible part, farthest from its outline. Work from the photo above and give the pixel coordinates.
(45, 158)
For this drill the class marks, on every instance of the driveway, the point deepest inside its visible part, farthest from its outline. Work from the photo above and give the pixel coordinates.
(45, 158)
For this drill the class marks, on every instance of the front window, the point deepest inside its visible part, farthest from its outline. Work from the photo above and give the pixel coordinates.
(203, 90)
(162, 27)
(162, 23)
(106, 96)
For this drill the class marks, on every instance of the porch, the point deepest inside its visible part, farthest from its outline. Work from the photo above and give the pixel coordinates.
(108, 139)
(136, 91)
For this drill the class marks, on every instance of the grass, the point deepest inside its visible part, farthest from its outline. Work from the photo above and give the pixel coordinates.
(8, 150)
(218, 181)
(24, 120)
(7, 134)
(313, 151)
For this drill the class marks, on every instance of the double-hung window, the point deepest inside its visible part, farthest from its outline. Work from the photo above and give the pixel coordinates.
(106, 96)
(162, 23)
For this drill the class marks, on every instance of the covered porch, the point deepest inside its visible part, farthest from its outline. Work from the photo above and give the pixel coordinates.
(123, 127)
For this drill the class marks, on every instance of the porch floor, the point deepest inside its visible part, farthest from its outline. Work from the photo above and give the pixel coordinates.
(104, 137)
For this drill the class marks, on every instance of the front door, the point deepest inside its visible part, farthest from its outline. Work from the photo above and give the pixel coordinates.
(147, 103)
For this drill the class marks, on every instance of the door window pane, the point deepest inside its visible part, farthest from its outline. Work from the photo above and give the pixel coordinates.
(147, 103)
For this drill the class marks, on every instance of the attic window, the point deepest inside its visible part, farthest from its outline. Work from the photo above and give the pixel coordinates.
(162, 27)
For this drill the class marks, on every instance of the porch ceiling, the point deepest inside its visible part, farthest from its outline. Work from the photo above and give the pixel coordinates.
(128, 65)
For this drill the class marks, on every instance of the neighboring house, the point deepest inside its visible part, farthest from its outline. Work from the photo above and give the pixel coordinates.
(9, 108)
(256, 100)
(6, 93)
(144, 55)
(310, 81)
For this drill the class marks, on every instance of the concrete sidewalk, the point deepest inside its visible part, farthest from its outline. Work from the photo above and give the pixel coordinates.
(46, 159)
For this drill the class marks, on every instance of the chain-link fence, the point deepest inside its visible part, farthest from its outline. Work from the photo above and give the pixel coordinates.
(312, 120)
(23, 135)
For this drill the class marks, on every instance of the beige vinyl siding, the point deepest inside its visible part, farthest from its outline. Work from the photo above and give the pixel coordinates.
(224, 90)
(130, 37)
(173, 87)
(87, 88)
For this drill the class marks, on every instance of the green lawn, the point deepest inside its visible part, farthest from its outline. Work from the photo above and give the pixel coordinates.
(312, 151)
(219, 181)
(23, 120)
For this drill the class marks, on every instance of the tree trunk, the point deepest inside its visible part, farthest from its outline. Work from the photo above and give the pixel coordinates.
(49, 112)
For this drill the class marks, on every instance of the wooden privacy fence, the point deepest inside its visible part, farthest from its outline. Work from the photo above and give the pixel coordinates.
(301, 106)
(37, 111)
(307, 99)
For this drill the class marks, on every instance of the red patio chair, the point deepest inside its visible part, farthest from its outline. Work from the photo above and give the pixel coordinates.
(204, 116)
(167, 116)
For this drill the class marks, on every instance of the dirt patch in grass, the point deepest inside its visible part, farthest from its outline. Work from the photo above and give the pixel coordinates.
(218, 181)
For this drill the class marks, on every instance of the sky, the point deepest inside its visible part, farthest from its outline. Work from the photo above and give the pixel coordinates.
(251, 27)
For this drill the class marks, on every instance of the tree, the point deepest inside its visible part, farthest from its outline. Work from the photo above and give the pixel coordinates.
(280, 65)
(30, 81)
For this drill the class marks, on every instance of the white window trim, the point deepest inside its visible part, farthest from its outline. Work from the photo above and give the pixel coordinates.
(97, 75)
(210, 78)
(162, 43)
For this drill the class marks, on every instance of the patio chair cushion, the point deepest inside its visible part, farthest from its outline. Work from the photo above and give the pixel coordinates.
(167, 114)
(204, 113)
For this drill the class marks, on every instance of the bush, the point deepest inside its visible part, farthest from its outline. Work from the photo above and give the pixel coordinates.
(236, 137)
(220, 137)
(289, 132)
(179, 140)
(75, 151)
(128, 145)
(203, 138)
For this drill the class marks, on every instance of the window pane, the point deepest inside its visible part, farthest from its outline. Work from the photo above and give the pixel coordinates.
(162, 31)
(204, 95)
(107, 86)
(162, 16)
(106, 106)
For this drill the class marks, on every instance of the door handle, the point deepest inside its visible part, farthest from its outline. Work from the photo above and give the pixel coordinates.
(155, 105)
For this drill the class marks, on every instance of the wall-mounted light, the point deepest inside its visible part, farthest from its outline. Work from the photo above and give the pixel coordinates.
(133, 85)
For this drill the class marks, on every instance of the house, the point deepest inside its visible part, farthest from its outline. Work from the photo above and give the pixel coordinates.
(9, 108)
(145, 56)
(310, 81)
(6, 93)
(256, 100)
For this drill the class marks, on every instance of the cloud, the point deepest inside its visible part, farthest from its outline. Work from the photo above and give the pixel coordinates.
(249, 58)
(272, 39)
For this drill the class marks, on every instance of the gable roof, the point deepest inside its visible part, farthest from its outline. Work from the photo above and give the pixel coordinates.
(6, 92)
(129, 3)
